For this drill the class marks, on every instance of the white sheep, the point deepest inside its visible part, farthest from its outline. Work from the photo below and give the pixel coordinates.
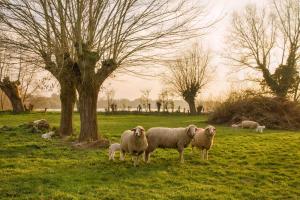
(260, 129)
(204, 140)
(48, 135)
(112, 150)
(248, 124)
(176, 138)
(134, 142)
(235, 126)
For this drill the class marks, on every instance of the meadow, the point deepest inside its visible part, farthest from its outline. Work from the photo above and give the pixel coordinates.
(243, 164)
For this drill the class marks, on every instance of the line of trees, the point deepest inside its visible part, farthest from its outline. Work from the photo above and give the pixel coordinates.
(81, 43)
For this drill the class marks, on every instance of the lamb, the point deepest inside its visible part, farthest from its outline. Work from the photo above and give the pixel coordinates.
(48, 135)
(260, 129)
(134, 142)
(204, 140)
(176, 138)
(112, 150)
(235, 126)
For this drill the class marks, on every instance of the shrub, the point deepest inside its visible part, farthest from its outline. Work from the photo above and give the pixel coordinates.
(275, 113)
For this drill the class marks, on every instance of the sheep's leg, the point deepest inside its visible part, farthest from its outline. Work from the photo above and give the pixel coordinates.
(181, 155)
(202, 154)
(143, 156)
(135, 160)
(113, 156)
(206, 154)
(147, 156)
(122, 155)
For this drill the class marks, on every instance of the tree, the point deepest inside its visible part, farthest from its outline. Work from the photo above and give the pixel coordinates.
(158, 105)
(259, 38)
(145, 99)
(110, 94)
(189, 74)
(164, 99)
(83, 42)
(10, 88)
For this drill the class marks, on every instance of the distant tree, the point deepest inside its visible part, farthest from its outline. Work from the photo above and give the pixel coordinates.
(18, 78)
(189, 74)
(110, 94)
(145, 99)
(172, 105)
(164, 99)
(158, 105)
(263, 41)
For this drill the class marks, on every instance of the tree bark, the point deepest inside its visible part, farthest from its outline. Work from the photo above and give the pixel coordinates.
(192, 105)
(67, 98)
(11, 90)
(88, 95)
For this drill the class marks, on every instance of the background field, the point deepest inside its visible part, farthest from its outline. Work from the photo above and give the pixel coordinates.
(243, 164)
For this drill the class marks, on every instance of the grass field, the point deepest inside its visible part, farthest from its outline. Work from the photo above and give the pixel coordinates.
(243, 164)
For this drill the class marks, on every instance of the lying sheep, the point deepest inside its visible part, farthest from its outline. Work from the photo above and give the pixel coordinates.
(48, 135)
(204, 140)
(248, 124)
(176, 138)
(260, 129)
(112, 150)
(134, 142)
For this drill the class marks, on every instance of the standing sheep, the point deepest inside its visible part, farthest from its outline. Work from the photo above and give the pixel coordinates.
(134, 142)
(176, 138)
(260, 129)
(112, 150)
(204, 140)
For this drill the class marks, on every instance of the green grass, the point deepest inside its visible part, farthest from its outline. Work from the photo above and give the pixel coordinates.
(243, 164)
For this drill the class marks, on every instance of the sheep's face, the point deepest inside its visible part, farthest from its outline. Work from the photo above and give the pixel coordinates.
(191, 131)
(138, 131)
(210, 131)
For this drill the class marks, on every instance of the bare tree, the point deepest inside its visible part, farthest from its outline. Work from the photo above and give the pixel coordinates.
(110, 94)
(83, 42)
(259, 38)
(189, 74)
(164, 99)
(145, 99)
(10, 88)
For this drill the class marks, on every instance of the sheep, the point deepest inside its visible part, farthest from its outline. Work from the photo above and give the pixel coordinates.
(235, 126)
(176, 138)
(112, 150)
(248, 124)
(204, 140)
(48, 135)
(134, 142)
(260, 129)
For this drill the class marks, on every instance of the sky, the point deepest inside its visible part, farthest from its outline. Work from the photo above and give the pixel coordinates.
(127, 86)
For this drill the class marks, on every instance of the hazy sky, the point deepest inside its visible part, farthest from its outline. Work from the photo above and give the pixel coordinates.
(130, 87)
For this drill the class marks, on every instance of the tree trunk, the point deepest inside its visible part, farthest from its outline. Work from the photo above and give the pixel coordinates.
(67, 98)
(88, 95)
(192, 105)
(11, 90)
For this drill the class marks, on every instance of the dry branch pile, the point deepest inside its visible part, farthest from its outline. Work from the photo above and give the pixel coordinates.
(275, 113)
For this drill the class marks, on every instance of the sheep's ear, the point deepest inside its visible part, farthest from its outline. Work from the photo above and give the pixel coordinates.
(134, 129)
